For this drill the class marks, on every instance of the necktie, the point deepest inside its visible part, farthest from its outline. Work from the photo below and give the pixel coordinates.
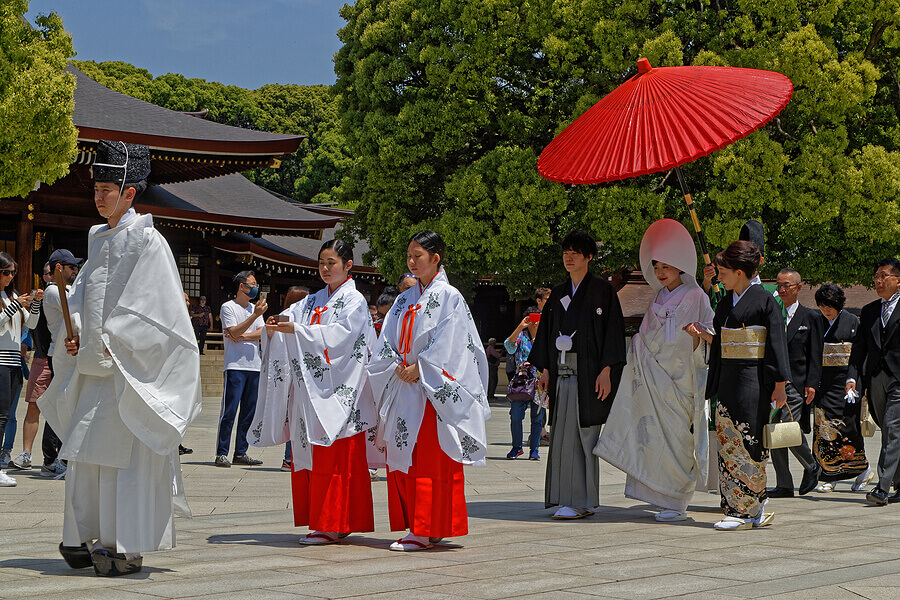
(885, 306)
(784, 315)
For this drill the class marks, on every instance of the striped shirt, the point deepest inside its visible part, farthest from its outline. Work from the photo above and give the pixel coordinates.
(11, 318)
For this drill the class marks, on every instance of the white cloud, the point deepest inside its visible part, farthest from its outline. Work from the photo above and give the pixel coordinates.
(196, 24)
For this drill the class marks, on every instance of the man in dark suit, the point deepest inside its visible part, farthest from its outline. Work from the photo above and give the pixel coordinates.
(875, 359)
(805, 339)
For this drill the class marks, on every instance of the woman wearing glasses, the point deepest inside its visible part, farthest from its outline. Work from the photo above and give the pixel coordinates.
(17, 312)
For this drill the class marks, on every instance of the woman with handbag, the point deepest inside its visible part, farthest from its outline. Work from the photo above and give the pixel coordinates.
(657, 429)
(748, 369)
(522, 386)
(838, 444)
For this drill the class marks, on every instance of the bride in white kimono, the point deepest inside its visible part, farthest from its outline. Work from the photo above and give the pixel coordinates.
(313, 391)
(429, 375)
(657, 429)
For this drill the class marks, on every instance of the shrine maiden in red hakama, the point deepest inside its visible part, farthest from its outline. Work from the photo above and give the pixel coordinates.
(429, 374)
(313, 392)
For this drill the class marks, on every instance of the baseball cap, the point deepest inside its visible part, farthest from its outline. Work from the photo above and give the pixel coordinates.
(64, 257)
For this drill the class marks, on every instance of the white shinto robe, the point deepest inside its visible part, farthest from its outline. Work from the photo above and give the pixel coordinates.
(313, 387)
(660, 399)
(453, 374)
(123, 404)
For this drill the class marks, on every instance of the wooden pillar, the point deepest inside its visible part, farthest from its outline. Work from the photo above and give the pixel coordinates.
(210, 281)
(25, 251)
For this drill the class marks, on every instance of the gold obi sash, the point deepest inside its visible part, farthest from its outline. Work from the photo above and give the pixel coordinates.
(747, 343)
(836, 355)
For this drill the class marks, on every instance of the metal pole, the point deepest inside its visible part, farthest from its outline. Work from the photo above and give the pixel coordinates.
(700, 237)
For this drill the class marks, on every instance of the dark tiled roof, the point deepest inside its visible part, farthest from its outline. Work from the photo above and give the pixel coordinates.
(101, 113)
(231, 201)
(297, 251)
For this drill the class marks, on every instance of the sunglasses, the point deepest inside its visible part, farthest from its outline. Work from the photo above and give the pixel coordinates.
(8, 272)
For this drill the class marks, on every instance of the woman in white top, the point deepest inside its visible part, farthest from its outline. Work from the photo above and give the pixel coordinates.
(13, 316)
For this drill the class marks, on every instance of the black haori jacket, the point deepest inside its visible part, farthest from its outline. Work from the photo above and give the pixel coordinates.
(595, 316)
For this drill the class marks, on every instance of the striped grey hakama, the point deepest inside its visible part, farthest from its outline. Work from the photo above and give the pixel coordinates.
(573, 472)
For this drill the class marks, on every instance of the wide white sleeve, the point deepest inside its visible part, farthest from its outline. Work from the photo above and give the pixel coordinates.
(332, 358)
(453, 372)
(151, 340)
(270, 421)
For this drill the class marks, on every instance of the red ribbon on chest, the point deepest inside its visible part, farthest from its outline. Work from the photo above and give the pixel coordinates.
(406, 329)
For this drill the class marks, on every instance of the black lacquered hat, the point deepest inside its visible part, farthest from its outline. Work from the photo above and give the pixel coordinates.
(118, 160)
(753, 232)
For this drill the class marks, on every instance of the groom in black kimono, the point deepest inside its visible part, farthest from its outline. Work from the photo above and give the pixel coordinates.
(580, 349)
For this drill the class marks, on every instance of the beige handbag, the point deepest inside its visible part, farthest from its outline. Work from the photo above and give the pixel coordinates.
(866, 422)
(782, 435)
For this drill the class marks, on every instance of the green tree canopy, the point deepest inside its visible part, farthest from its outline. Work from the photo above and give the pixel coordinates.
(448, 103)
(37, 137)
(312, 174)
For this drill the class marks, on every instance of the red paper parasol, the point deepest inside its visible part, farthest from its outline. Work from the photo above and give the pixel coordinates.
(661, 119)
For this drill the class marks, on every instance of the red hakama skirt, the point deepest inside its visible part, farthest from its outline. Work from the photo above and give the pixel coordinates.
(336, 495)
(430, 499)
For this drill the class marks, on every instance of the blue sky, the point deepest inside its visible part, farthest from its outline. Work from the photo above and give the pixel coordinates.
(248, 43)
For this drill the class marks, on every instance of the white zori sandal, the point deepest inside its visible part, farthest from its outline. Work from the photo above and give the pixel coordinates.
(670, 516)
(570, 512)
(763, 518)
(319, 538)
(825, 488)
(411, 543)
(863, 480)
(734, 524)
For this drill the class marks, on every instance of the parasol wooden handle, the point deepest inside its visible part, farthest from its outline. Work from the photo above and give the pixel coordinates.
(700, 237)
(64, 301)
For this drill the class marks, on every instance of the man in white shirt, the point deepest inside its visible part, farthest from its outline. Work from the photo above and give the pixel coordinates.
(805, 341)
(42, 368)
(242, 323)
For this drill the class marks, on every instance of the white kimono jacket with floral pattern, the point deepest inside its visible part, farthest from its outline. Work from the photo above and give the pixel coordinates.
(313, 385)
(433, 328)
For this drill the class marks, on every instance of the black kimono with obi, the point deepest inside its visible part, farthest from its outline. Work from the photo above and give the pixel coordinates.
(744, 388)
(837, 440)
(595, 315)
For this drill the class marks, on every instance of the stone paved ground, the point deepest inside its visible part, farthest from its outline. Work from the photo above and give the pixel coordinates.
(241, 544)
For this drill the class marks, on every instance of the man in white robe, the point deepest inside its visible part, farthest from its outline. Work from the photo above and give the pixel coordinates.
(128, 385)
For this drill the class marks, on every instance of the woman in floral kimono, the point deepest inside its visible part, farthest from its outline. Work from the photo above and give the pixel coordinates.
(429, 375)
(313, 392)
(748, 369)
(838, 444)
(657, 429)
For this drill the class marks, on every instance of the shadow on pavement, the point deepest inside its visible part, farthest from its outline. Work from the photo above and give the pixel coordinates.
(534, 512)
(61, 569)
